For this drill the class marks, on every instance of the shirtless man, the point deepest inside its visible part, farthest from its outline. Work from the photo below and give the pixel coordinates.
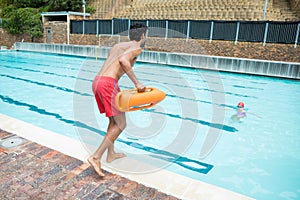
(105, 87)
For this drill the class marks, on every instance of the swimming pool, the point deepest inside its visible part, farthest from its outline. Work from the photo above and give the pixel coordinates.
(191, 128)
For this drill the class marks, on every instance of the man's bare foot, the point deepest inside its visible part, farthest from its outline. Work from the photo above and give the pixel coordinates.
(95, 163)
(114, 156)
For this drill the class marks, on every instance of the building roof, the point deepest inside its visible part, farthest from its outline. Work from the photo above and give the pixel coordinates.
(59, 13)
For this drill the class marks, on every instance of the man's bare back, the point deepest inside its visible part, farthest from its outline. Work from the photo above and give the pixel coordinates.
(120, 60)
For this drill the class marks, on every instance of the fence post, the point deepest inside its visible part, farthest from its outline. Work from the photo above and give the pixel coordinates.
(266, 34)
(147, 24)
(83, 27)
(237, 32)
(129, 22)
(265, 10)
(68, 29)
(297, 35)
(167, 26)
(188, 31)
(112, 26)
(97, 27)
(211, 31)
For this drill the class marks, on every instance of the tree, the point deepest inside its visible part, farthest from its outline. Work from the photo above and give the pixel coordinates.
(31, 21)
(23, 16)
(90, 9)
(29, 3)
(3, 5)
(11, 20)
(65, 5)
(23, 20)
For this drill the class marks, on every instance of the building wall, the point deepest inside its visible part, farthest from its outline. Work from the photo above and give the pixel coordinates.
(59, 32)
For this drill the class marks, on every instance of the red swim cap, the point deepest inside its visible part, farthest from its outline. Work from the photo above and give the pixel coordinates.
(241, 104)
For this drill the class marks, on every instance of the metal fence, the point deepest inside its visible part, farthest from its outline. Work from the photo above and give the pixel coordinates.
(244, 31)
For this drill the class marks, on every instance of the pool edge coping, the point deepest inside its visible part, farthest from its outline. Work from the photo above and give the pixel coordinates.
(181, 187)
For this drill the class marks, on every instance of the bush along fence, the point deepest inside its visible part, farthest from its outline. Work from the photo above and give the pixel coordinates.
(244, 31)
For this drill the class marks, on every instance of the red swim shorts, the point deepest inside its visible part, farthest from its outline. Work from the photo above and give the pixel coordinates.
(105, 90)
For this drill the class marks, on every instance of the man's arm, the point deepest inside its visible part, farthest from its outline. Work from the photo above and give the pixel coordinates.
(126, 61)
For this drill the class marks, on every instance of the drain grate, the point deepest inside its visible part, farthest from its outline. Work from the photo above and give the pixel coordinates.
(12, 142)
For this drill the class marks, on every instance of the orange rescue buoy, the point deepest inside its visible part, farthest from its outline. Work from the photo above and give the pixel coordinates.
(132, 100)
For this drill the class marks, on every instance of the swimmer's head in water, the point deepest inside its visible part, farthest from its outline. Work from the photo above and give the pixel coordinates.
(240, 105)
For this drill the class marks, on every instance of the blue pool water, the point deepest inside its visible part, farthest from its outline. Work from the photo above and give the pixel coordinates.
(190, 132)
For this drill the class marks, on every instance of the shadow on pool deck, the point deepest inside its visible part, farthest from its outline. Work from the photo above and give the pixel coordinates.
(32, 171)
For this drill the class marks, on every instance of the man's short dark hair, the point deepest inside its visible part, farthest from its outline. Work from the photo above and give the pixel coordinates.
(136, 31)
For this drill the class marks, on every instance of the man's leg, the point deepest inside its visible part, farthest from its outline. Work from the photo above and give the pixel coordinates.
(116, 125)
(119, 124)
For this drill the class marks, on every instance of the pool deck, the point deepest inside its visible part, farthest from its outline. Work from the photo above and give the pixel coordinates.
(45, 168)
(33, 171)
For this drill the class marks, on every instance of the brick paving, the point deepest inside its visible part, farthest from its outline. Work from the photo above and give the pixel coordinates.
(32, 171)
